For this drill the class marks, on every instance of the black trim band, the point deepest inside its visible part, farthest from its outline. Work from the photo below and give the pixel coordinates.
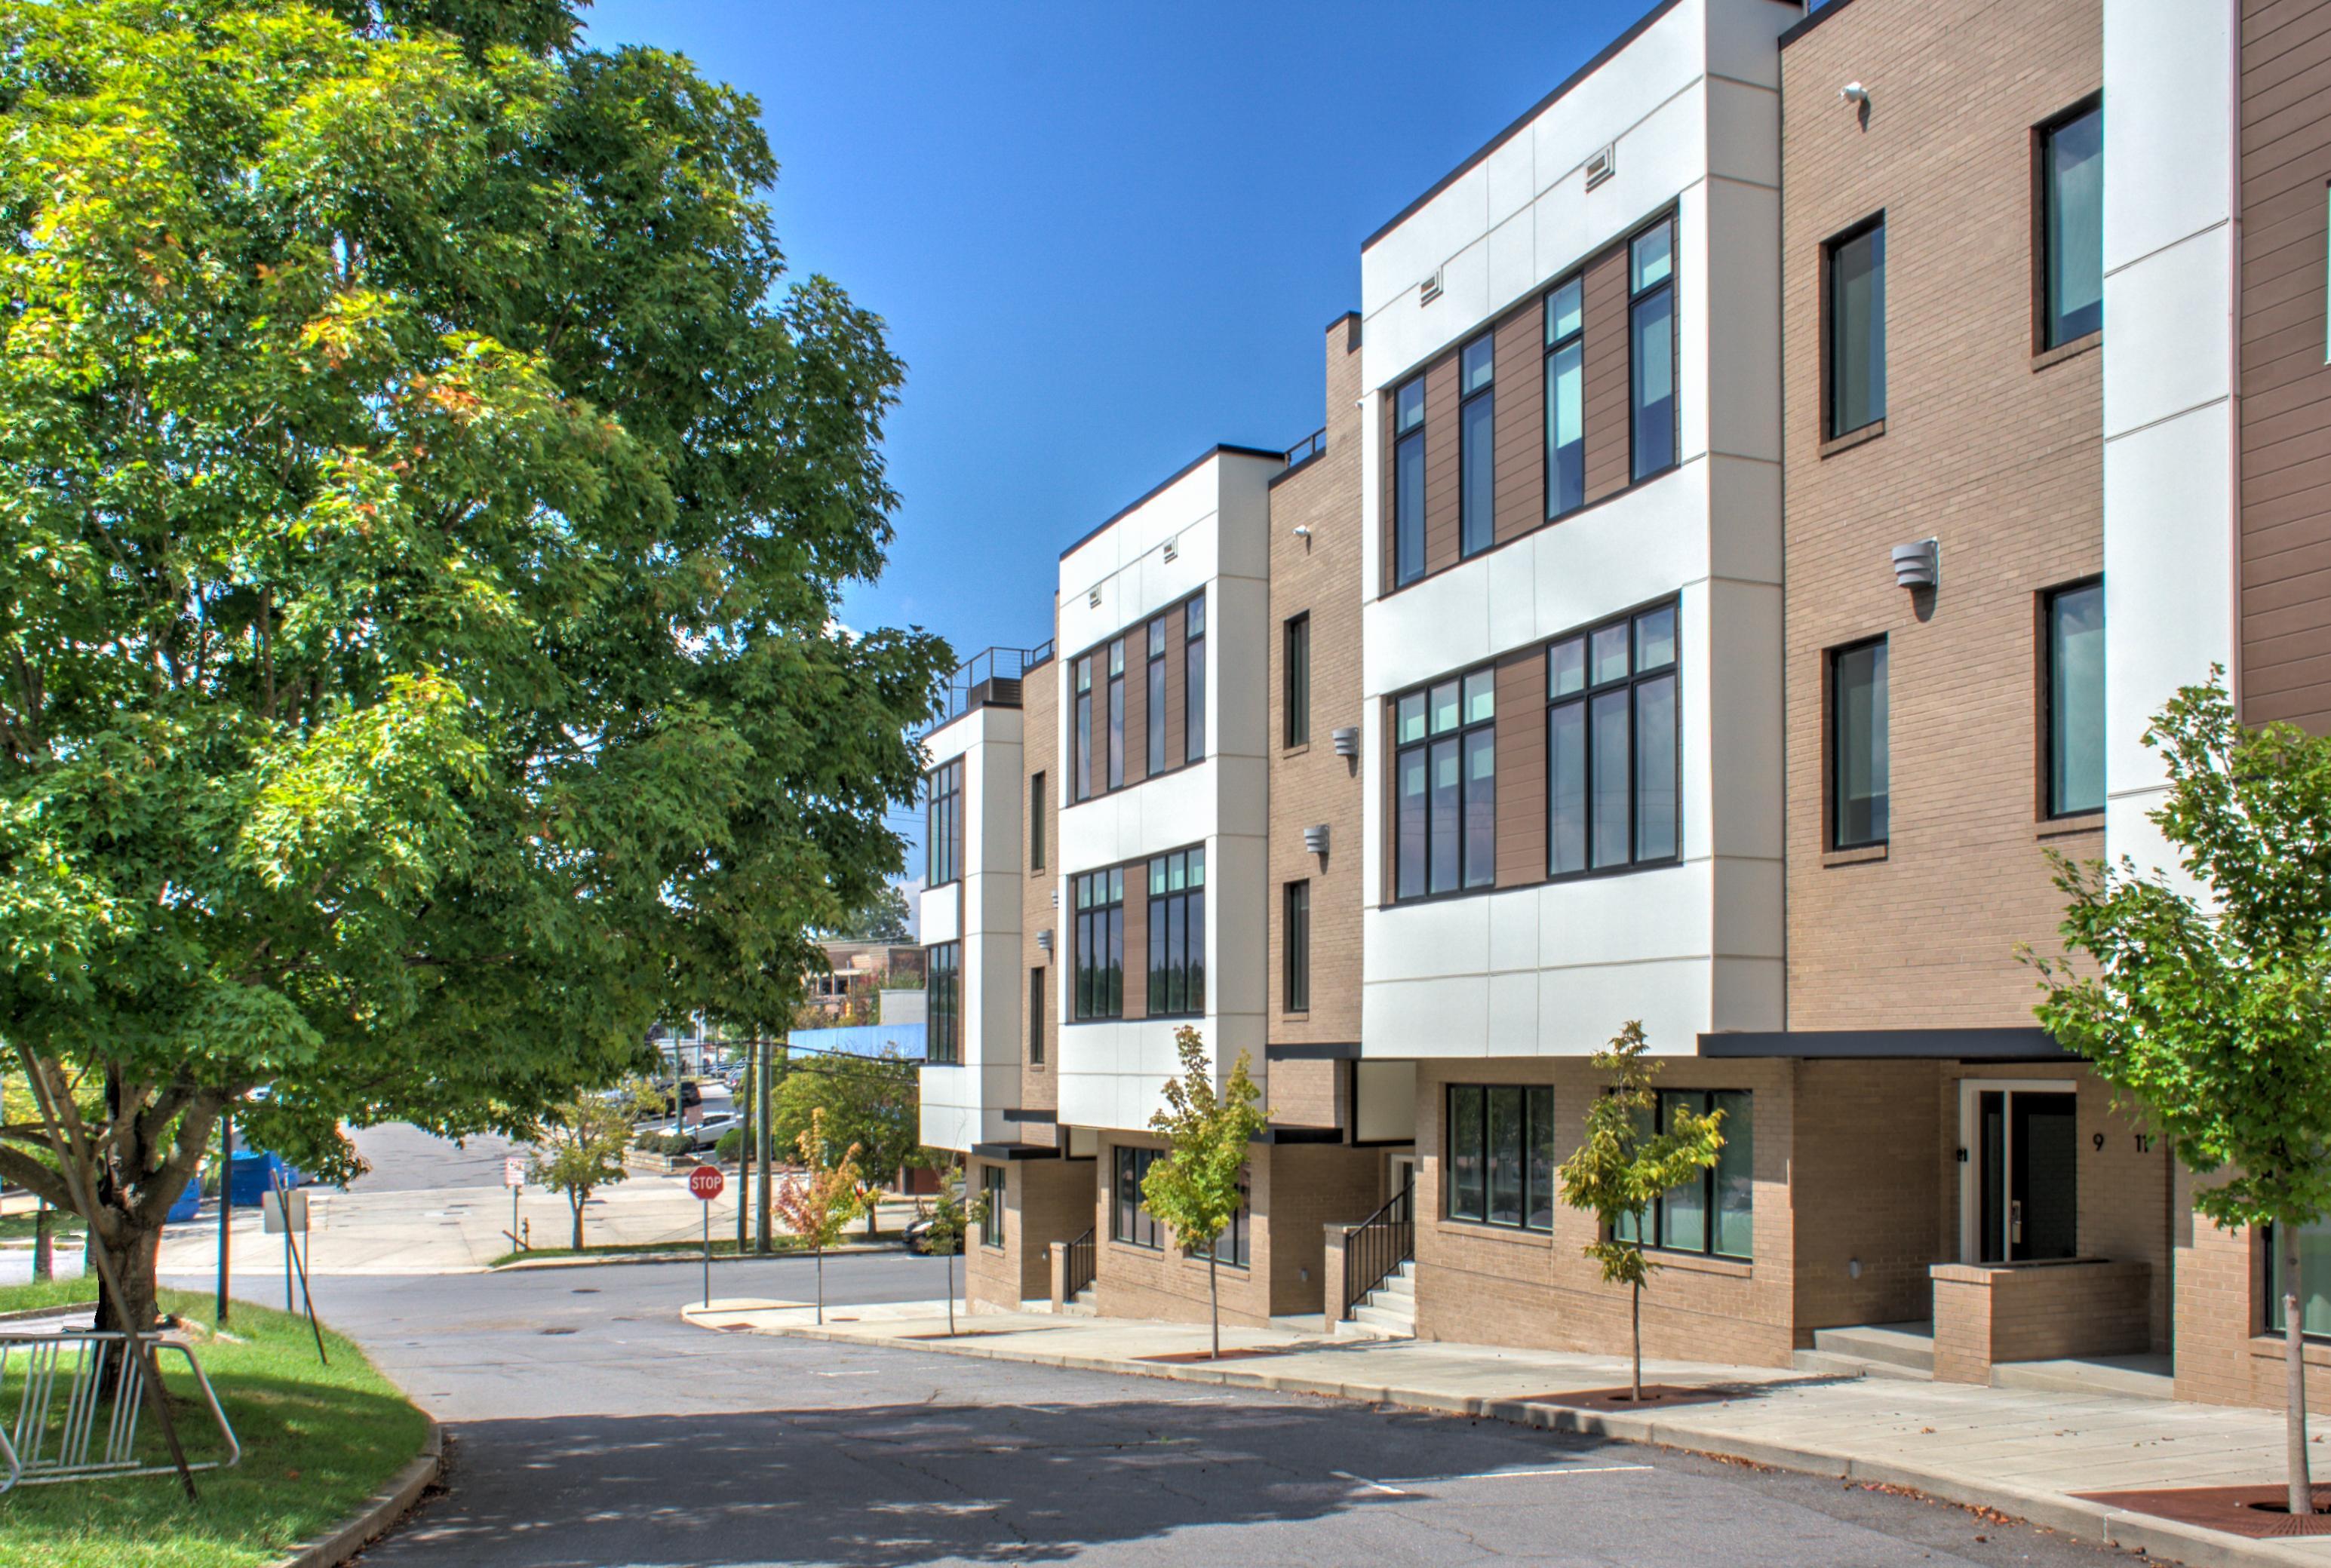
(1890, 1044)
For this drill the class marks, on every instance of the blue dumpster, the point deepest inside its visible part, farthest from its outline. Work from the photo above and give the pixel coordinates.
(252, 1176)
(188, 1202)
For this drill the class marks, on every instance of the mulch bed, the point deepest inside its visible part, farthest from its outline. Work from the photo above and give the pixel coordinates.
(1191, 1357)
(968, 1333)
(1656, 1396)
(2236, 1510)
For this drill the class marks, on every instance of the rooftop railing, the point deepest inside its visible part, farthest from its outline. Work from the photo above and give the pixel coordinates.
(1309, 447)
(954, 697)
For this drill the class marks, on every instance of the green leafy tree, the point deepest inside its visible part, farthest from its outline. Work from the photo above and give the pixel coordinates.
(1198, 1186)
(882, 918)
(872, 1102)
(1623, 1164)
(426, 504)
(2210, 1013)
(580, 1150)
(951, 1221)
(817, 1201)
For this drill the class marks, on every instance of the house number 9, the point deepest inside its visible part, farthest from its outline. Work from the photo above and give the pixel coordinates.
(2144, 1142)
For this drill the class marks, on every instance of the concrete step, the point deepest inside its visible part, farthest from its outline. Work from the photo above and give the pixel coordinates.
(1081, 1305)
(1827, 1364)
(2131, 1376)
(1398, 1284)
(1903, 1344)
(1350, 1328)
(1398, 1323)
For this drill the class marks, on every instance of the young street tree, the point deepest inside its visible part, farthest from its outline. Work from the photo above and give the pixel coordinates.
(581, 1150)
(1624, 1163)
(1198, 1187)
(2211, 1015)
(817, 1201)
(425, 508)
(951, 1220)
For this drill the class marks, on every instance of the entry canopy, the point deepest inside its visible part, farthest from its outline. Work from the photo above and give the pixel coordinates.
(2031, 1044)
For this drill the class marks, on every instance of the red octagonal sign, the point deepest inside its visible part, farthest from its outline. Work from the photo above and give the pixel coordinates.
(705, 1183)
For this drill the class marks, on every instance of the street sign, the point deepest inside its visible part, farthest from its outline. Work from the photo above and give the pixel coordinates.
(514, 1171)
(274, 1207)
(705, 1182)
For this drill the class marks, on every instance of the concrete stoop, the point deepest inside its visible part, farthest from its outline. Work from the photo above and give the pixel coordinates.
(1388, 1312)
(1081, 1305)
(1907, 1350)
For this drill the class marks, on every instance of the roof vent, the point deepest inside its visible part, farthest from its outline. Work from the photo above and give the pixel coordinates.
(1092, 599)
(1174, 548)
(1429, 289)
(1603, 165)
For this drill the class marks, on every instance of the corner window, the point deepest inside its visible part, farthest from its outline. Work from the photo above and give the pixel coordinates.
(1100, 943)
(1130, 1220)
(1116, 713)
(1858, 782)
(1295, 934)
(1036, 1017)
(1083, 739)
(1408, 482)
(1193, 691)
(1714, 1213)
(1613, 799)
(2073, 227)
(1444, 773)
(1501, 1154)
(1477, 438)
(942, 1008)
(1651, 348)
(1177, 934)
(1855, 318)
(1296, 699)
(1566, 399)
(943, 826)
(2076, 699)
(1036, 819)
(1154, 757)
(991, 1185)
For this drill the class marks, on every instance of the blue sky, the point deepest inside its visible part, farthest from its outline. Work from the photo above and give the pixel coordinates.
(1104, 237)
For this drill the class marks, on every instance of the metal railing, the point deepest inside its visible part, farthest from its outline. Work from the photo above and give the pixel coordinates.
(1379, 1245)
(1080, 1265)
(94, 1430)
(1309, 447)
(953, 698)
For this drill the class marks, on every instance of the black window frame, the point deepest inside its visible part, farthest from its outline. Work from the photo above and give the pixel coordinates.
(1037, 978)
(1130, 1223)
(1535, 1107)
(1639, 675)
(1834, 743)
(1097, 901)
(1407, 447)
(1177, 989)
(1234, 1247)
(1295, 653)
(943, 1004)
(1295, 945)
(2052, 806)
(1833, 427)
(1659, 294)
(1710, 1181)
(1477, 406)
(1036, 815)
(943, 824)
(1194, 679)
(1428, 740)
(993, 1186)
(1081, 735)
(1556, 344)
(2043, 249)
(1153, 759)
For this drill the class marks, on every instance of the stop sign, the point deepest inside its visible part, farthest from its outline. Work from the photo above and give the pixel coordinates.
(705, 1183)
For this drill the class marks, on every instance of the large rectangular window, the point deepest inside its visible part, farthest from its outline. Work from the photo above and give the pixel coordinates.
(1613, 799)
(1565, 398)
(1855, 319)
(1177, 934)
(943, 1004)
(1154, 760)
(1116, 713)
(1130, 1220)
(1857, 747)
(1193, 689)
(1036, 1016)
(1233, 1247)
(1296, 935)
(992, 1188)
(1477, 441)
(1037, 818)
(943, 826)
(1444, 777)
(1501, 1158)
(1298, 696)
(1651, 348)
(2072, 206)
(2314, 1278)
(1101, 943)
(1408, 482)
(2076, 699)
(1714, 1213)
(1082, 739)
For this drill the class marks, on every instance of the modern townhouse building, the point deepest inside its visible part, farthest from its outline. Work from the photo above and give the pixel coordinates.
(1693, 609)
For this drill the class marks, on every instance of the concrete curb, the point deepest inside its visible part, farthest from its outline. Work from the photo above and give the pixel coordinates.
(2161, 1539)
(384, 1509)
(685, 1254)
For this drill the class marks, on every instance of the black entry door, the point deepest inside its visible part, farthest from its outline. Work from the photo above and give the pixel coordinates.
(2030, 1193)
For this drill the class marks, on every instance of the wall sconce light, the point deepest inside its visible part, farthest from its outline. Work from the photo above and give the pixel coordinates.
(1045, 939)
(1853, 93)
(1347, 740)
(1315, 840)
(1918, 565)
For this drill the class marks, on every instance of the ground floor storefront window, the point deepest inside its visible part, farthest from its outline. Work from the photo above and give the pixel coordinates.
(2314, 1278)
(1714, 1215)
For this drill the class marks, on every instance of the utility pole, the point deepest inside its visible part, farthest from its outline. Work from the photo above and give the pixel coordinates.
(761, 1143)
(226, 1207)
(746, 1124)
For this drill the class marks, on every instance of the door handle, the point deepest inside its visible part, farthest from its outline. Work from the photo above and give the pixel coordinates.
(2015, 1220)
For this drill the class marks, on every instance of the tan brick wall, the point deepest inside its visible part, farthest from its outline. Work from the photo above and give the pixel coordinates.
(1998, 457)
(1311, 784)
(1313, 1185)
(1490, 1285)
(1868, 1159)
(1045, 1201)
(2224, 1354)
(1984, 1317)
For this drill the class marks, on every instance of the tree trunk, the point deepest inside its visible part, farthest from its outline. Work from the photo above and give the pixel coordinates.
(821, 1283)
(1213, 1303)
(135, 1251)
(1635, 1323)
(44, 1259)
(574, 1201)
(950, 1258)
(2293, 1350)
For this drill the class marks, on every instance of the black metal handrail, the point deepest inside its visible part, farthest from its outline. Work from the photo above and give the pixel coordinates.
(952, 698)
(1376, 1247)
(1081, 1265)
(1309, 447)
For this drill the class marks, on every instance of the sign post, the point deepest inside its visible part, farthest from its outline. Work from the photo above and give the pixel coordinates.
(704, 1184)
(514, 1178)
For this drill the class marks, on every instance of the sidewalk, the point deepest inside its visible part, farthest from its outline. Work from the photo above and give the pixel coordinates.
(2023, 1453)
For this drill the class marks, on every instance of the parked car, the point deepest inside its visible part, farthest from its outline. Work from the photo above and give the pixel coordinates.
(707, 1132)
(657, 1105)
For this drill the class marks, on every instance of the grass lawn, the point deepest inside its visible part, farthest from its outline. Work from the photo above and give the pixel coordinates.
(317, 1441)
(693, 1249)
(24, 1227)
